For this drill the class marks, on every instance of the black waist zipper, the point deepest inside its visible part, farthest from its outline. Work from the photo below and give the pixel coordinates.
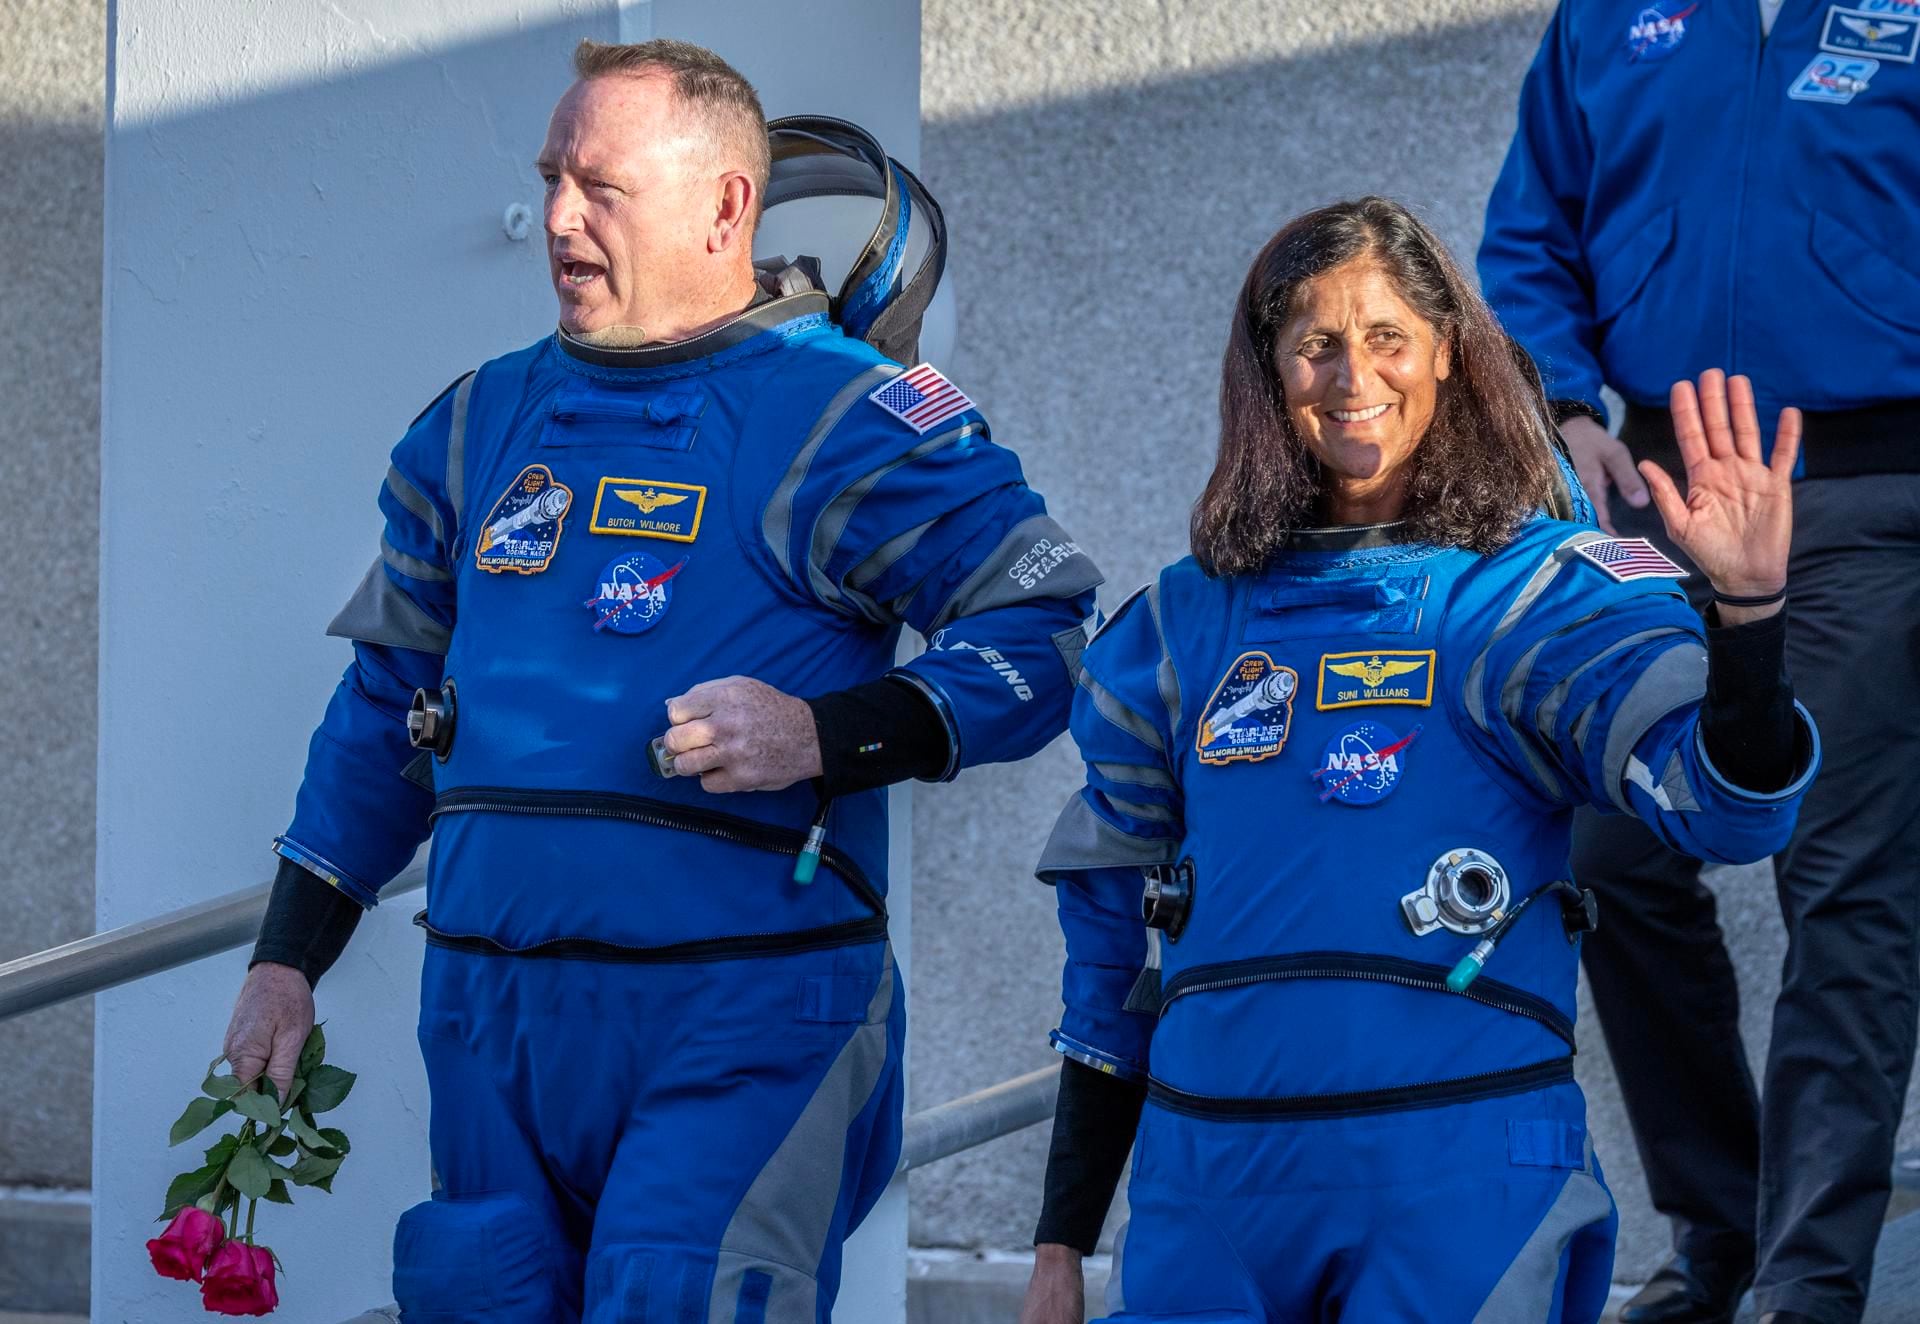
(681, 818)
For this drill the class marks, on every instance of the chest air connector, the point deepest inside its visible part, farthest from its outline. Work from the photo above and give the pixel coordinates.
(1467, 892)
(430, 720)
(1168, 900)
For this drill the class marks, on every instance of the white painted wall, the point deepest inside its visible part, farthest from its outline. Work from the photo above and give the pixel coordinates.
(303, 245)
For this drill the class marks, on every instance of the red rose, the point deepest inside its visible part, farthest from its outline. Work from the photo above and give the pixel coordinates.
(240, 1281)
(182, 1250)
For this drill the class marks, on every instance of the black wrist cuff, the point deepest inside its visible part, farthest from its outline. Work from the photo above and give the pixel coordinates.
(1569, 409)
(307, 924)
(1093, 1129)
(877, 734)
(1762, 600)
(1747, 723)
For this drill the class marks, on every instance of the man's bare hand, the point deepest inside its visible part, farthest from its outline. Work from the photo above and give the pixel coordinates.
(271, 1021)
(1057, 1292)
(1602, 461)
(740, 734)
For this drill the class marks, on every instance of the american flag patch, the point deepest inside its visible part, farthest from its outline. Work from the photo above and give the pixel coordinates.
(921, 398)
(1631, 558)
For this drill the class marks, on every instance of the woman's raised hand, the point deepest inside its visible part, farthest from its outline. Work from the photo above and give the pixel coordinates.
(1736, 518)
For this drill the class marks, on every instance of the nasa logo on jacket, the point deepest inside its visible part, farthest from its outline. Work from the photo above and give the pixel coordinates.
(1658, 29)
(1363, 764)
(634, 593)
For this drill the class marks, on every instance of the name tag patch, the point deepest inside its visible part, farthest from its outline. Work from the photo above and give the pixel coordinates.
(522, 531)
(1834, 79)
(1349, 680)
(1249, 715)
(1864, 32)
(648, 508)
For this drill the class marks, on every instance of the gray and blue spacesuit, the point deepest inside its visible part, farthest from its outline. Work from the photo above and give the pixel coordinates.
(1350, 777)
(666, 1071)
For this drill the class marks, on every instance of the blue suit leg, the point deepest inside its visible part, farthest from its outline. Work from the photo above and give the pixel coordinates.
(499, 1241)
(754, 1147)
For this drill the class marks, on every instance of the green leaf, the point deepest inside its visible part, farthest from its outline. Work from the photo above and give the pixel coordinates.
(197, 1118)
(327, 1088)
(278, 1193)
(312, 1170)
(257, 1108)
(220, 1087)
(282, 1147)
(294, 1090)
(222, 1150)
(268, 1088)
(325, 1184)
(336, 1140)
(309, 1137)
(314, 1053)
(250, 1174)
(188, 1187)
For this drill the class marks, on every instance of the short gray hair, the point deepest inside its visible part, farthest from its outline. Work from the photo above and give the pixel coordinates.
(713, 90)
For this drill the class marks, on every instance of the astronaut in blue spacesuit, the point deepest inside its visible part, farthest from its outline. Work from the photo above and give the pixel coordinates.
(628, 648)
(1344, 741)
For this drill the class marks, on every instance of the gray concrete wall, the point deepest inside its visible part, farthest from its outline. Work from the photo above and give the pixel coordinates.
(52, 89)
(1109, 168)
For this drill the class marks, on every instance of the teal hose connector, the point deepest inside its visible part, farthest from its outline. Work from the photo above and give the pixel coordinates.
(1470, 967)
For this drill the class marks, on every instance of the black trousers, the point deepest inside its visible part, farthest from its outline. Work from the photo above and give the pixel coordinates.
(1797, 1174)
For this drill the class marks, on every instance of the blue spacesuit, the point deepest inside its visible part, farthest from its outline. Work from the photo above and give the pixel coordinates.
(1347, 776)
(666, 1075)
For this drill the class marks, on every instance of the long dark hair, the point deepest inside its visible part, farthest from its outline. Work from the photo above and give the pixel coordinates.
(1485, 463)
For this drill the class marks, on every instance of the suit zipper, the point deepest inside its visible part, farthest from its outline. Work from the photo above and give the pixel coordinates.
(1336, 966)
(1433, 1093)
(681, 818)
(654, 813)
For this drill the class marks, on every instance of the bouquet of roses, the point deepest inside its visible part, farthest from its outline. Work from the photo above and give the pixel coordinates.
(203, 1242)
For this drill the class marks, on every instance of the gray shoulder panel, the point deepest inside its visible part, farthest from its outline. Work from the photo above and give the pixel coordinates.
(776, 525)
(1081, 839)
(379, 613)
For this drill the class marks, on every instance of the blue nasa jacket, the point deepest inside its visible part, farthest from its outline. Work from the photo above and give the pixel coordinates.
(573, 536)
(1682, 194)
(1314, 739)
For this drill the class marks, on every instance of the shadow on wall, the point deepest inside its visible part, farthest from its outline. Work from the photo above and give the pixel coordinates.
(1099, 242)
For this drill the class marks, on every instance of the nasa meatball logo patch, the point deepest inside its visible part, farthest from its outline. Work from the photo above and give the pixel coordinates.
(1363, 764)
(1251, 710)
(634, 593)
(523, 531)
(1658, 29)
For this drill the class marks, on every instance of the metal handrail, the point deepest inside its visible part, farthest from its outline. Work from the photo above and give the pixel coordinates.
(146, 947)
(208, 928)
(134, 951)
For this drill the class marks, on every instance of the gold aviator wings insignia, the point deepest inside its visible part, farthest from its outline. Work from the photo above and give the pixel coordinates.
(650, 500)
(1375, 672)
